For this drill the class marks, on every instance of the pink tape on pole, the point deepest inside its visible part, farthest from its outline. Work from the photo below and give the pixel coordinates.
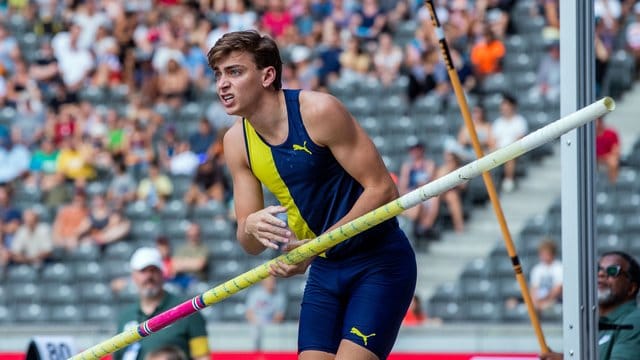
(170, 316)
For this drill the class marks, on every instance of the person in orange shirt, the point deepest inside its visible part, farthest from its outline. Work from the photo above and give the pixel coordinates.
(66, 226)
(487, 54)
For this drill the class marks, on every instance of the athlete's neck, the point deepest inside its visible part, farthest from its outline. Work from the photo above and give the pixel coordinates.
(270, 118)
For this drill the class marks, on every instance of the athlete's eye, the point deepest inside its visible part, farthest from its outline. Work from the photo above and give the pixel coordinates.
(235, 72)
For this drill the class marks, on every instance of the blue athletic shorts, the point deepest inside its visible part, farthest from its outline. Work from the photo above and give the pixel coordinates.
(361, 298)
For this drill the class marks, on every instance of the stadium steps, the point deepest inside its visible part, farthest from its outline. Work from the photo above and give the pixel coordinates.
(445, 259)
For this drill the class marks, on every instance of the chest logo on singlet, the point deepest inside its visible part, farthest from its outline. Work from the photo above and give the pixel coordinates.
(302, 147)
(359, 334)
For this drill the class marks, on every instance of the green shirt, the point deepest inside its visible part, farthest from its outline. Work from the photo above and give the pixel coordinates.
(621, 344)
(189, 334)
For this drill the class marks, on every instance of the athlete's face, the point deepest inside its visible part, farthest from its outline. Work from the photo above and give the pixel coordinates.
(240, 82)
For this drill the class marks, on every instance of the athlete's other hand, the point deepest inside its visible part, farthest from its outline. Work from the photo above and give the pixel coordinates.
(280, 269)
(265, 227)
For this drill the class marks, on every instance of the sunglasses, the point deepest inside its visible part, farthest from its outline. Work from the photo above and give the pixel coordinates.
(612, 270)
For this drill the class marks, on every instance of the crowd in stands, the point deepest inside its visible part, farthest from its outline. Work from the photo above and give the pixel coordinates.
(107, 104)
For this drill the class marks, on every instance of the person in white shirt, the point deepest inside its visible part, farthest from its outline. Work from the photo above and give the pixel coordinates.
(508, 128)
(33, 242)
(546, 277)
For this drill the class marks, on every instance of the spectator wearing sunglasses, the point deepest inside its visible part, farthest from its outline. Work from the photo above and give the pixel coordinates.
(619, 326)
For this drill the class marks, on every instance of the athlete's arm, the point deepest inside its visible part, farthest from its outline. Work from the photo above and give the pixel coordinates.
(258, 228)
(330, 124)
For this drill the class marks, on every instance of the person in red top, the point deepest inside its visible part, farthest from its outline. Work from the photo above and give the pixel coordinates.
(277, 19)
(607, 149)
(415, 316)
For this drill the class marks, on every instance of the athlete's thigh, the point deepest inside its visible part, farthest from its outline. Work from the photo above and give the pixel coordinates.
(379, 301)
(316, 355)
(321, 313)
(349, 350)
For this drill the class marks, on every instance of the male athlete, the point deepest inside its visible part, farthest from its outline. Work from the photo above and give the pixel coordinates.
(314, 157)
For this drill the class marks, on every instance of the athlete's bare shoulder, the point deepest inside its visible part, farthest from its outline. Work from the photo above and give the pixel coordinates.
(323, 114)
(233, 143)
(315, 103)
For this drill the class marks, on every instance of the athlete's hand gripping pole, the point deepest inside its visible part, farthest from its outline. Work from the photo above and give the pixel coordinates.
(366, 221)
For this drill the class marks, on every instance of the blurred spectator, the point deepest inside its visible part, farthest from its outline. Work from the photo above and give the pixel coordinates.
(453, 197)
(164, 246)
(190, 260)
(546, 277)
(166, 353)
(201, 140)
(355, 62)
(430, 76)
(14, 157)
(603, 48)
(387, 59)
(44, 70)
(306, 72)
(20, 87)
(122, 189)
(607, 149)
(415, 315)
(632, 35)
(173, 84)
(266, 304)
(32, 243)
(548, 79)
(11, 222)
(8, 46)
(487, 54)
(30, 129)
(483, 130)
(75, 62)
(115, 141)
(75, 160)
(155, 189)
(415, 172)
(277, 19)
(551, 13)
(208, 184)
(195, 62)
(496, 13)
(67, 224)
(89, 18)
(190, 334)
(217, 116)
(368, 21)
(240, 18)
(138, 150)
(103, 225)
(184, 161)
(465, 71)
(329, 52)
(508, 128)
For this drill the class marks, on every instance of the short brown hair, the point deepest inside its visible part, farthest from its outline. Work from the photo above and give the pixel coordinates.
(263, 48)
(548, 245)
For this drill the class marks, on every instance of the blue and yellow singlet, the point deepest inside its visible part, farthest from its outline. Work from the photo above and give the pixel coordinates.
(307, 180)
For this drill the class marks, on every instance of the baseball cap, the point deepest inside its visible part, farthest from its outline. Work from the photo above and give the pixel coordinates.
(145, 257)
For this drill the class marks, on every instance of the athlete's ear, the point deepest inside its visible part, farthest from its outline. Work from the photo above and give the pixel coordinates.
(268, 76)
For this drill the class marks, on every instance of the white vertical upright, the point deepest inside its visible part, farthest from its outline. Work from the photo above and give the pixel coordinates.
(577, 159)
